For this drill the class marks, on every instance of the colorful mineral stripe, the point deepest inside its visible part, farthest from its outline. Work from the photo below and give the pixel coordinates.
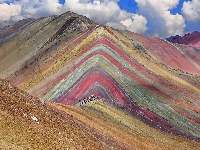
(66, 59)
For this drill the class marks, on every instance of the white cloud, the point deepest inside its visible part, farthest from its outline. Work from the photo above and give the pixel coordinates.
(103, 11)
(8, 13)
(116, 25)
(6, 1)
(36, 8)
(108, 12)
(16, 18)
(98, 11)
(136, 24)
(9, 10)
(161, 22)
(191, 11)
(154, 13)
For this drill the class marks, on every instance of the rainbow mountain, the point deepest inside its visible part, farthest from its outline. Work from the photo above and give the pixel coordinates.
(121, 84)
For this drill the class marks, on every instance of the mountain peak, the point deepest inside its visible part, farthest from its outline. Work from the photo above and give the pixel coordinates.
(65, 60)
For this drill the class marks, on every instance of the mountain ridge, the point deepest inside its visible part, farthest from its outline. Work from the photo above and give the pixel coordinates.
(191, 39)
(67, 58)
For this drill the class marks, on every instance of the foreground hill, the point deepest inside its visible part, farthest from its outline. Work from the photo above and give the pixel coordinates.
(68, 58)
(27, 124)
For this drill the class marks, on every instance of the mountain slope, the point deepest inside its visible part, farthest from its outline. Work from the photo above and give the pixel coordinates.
(27, 124)
(65, 59)
(125, 130)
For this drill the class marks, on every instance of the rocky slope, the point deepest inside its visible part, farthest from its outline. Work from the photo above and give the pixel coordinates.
(68, 58)
(26, 123)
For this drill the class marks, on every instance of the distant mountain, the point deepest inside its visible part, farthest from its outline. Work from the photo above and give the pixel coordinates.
(117, 84)
(191, 39)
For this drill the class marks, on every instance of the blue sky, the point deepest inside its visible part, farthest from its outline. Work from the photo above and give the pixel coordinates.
(131, 6)
(160, 18)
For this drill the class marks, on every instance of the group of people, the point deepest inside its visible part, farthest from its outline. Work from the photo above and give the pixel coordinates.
(91, 98)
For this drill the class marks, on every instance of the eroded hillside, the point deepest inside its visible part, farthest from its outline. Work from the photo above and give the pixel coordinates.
(63, 60)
